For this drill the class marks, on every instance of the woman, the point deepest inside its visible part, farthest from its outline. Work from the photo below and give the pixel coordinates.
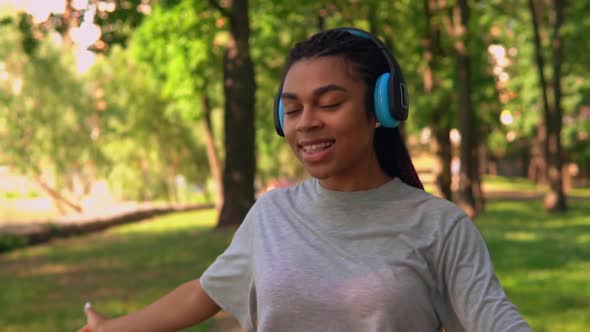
(359, 246)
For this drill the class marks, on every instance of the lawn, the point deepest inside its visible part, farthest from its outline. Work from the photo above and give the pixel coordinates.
(501, 183)
(43, 288)
(543, 262)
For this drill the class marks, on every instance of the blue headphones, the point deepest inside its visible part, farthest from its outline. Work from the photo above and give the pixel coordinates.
(390, 95)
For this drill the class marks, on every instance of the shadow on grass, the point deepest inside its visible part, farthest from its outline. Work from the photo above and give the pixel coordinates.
(120, 270)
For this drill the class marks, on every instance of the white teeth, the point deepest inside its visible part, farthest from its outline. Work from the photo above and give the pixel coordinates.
(316, 147)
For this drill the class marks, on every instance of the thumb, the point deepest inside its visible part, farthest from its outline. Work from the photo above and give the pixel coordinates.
(93, 318)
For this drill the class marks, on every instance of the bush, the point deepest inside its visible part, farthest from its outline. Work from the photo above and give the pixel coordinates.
(11, 241)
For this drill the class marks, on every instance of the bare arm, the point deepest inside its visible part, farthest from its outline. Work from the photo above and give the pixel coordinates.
(185, 306)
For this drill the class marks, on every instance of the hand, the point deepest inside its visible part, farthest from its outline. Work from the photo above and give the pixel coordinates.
(93, 319)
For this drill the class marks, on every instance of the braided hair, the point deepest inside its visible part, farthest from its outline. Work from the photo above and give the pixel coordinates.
(366, 61)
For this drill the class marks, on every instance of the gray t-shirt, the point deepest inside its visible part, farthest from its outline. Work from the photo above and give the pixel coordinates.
(393, 258)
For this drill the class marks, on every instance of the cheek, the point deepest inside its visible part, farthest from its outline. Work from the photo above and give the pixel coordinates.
(288, 129)
(290, 139)
(354, 127)
(357, 136)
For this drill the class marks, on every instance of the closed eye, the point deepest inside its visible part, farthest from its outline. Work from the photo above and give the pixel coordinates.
(330, 106)
(290, 112)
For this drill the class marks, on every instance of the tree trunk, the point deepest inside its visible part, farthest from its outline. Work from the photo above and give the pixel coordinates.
(550, 128)
(555, 198)
(172, 188)
(537, 169)
(468, 179)
(212, 157)
(239, 88)
(540, 159)
(322, 18)
(479, 156)
(440, 143)
(525, 159)
(441, 147)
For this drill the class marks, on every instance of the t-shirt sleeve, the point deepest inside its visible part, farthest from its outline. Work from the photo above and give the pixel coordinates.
(476, 295)
(229, 280)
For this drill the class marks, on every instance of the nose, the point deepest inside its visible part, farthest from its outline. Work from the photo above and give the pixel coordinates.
(308, 120)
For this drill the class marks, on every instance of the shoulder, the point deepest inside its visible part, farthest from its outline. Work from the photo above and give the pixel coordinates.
(429, 212)
(280, 198)
(429, 204)
(295, 191)
(275, 207)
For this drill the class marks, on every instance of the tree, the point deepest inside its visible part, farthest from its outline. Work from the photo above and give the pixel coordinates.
(439, 123)
(550, 130)
(522, 98)
(239, 88)
(147, 145)
(184, 56)
(118, 19)
(45, 114)
(470, 198)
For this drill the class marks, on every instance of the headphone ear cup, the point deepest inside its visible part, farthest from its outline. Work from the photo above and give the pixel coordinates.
(381, 102)
(282, 116)
(279, 115)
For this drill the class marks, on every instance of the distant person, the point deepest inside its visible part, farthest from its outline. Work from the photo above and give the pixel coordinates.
(360, 246)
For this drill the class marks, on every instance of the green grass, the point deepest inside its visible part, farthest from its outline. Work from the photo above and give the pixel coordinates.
(502, 183)
(580, 192)
(43, 288)
(499, 183)
(543, 262)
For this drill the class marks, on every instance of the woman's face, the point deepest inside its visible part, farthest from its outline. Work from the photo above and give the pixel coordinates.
(326, 122)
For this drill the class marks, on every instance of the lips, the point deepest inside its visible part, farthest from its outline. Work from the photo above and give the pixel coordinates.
(316, 147)
(316, 150)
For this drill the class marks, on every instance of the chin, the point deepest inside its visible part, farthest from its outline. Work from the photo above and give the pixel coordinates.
(320, 173)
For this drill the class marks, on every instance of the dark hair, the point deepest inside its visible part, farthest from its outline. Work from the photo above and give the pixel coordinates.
(369, 63)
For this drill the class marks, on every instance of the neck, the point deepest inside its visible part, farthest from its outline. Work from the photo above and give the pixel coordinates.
(369, 177)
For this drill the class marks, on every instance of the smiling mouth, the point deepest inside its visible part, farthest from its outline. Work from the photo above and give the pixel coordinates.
(316, 147)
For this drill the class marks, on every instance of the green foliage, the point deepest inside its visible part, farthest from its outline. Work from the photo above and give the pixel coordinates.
(119, 24)
(46, 110)
(497, 142)
(146, 146)
(576, 121)
(526, 106)
(180, 46)
(28, 42)
(160, 66)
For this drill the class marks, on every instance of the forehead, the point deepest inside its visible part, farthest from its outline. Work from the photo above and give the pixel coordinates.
(308, 74)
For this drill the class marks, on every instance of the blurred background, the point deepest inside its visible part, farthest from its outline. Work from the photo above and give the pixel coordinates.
(110, 107)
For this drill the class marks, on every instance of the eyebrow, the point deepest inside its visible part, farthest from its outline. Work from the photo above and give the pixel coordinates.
(317, 92)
